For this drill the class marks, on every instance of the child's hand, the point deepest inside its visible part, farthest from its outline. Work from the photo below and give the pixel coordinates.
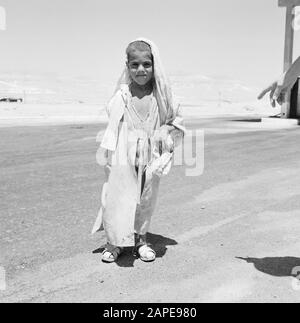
(161, 134)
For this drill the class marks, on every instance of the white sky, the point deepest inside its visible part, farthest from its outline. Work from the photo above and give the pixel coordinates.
(240, 39)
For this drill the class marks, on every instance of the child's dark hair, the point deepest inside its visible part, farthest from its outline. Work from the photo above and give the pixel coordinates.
(138, 46)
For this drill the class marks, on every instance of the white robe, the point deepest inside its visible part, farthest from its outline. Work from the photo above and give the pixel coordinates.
(126, 211)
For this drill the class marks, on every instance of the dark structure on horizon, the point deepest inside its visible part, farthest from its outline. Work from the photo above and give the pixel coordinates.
(11, 100)
(291, 106)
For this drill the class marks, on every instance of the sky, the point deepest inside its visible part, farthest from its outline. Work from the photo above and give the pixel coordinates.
(237, 39)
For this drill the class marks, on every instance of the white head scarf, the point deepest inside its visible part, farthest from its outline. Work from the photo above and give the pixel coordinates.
(162, 89)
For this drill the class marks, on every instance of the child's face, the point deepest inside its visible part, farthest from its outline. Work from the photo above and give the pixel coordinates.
(140, 67)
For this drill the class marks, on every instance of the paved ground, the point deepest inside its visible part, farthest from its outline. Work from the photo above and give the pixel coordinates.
(232, 234)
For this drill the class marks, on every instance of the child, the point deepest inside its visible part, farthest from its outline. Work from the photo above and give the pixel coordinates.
(138, 142)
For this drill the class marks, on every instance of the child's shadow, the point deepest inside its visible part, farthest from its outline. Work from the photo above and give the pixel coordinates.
(158, 242)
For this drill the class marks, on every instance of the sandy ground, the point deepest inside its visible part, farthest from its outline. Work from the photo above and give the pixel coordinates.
(231, 234)
(19, 114)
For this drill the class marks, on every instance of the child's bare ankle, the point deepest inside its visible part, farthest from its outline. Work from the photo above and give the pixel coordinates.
(140, 238)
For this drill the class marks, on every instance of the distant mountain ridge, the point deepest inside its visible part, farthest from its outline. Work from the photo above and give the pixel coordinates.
(189, 89)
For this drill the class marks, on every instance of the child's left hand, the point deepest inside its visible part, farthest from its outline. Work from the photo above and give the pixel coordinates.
(161, 134)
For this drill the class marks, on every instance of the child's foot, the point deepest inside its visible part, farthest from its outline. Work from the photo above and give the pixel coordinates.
(111, 254)
(145, 253)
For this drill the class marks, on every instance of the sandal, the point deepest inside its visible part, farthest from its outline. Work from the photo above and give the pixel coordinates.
(145, 252)
(111, 254)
